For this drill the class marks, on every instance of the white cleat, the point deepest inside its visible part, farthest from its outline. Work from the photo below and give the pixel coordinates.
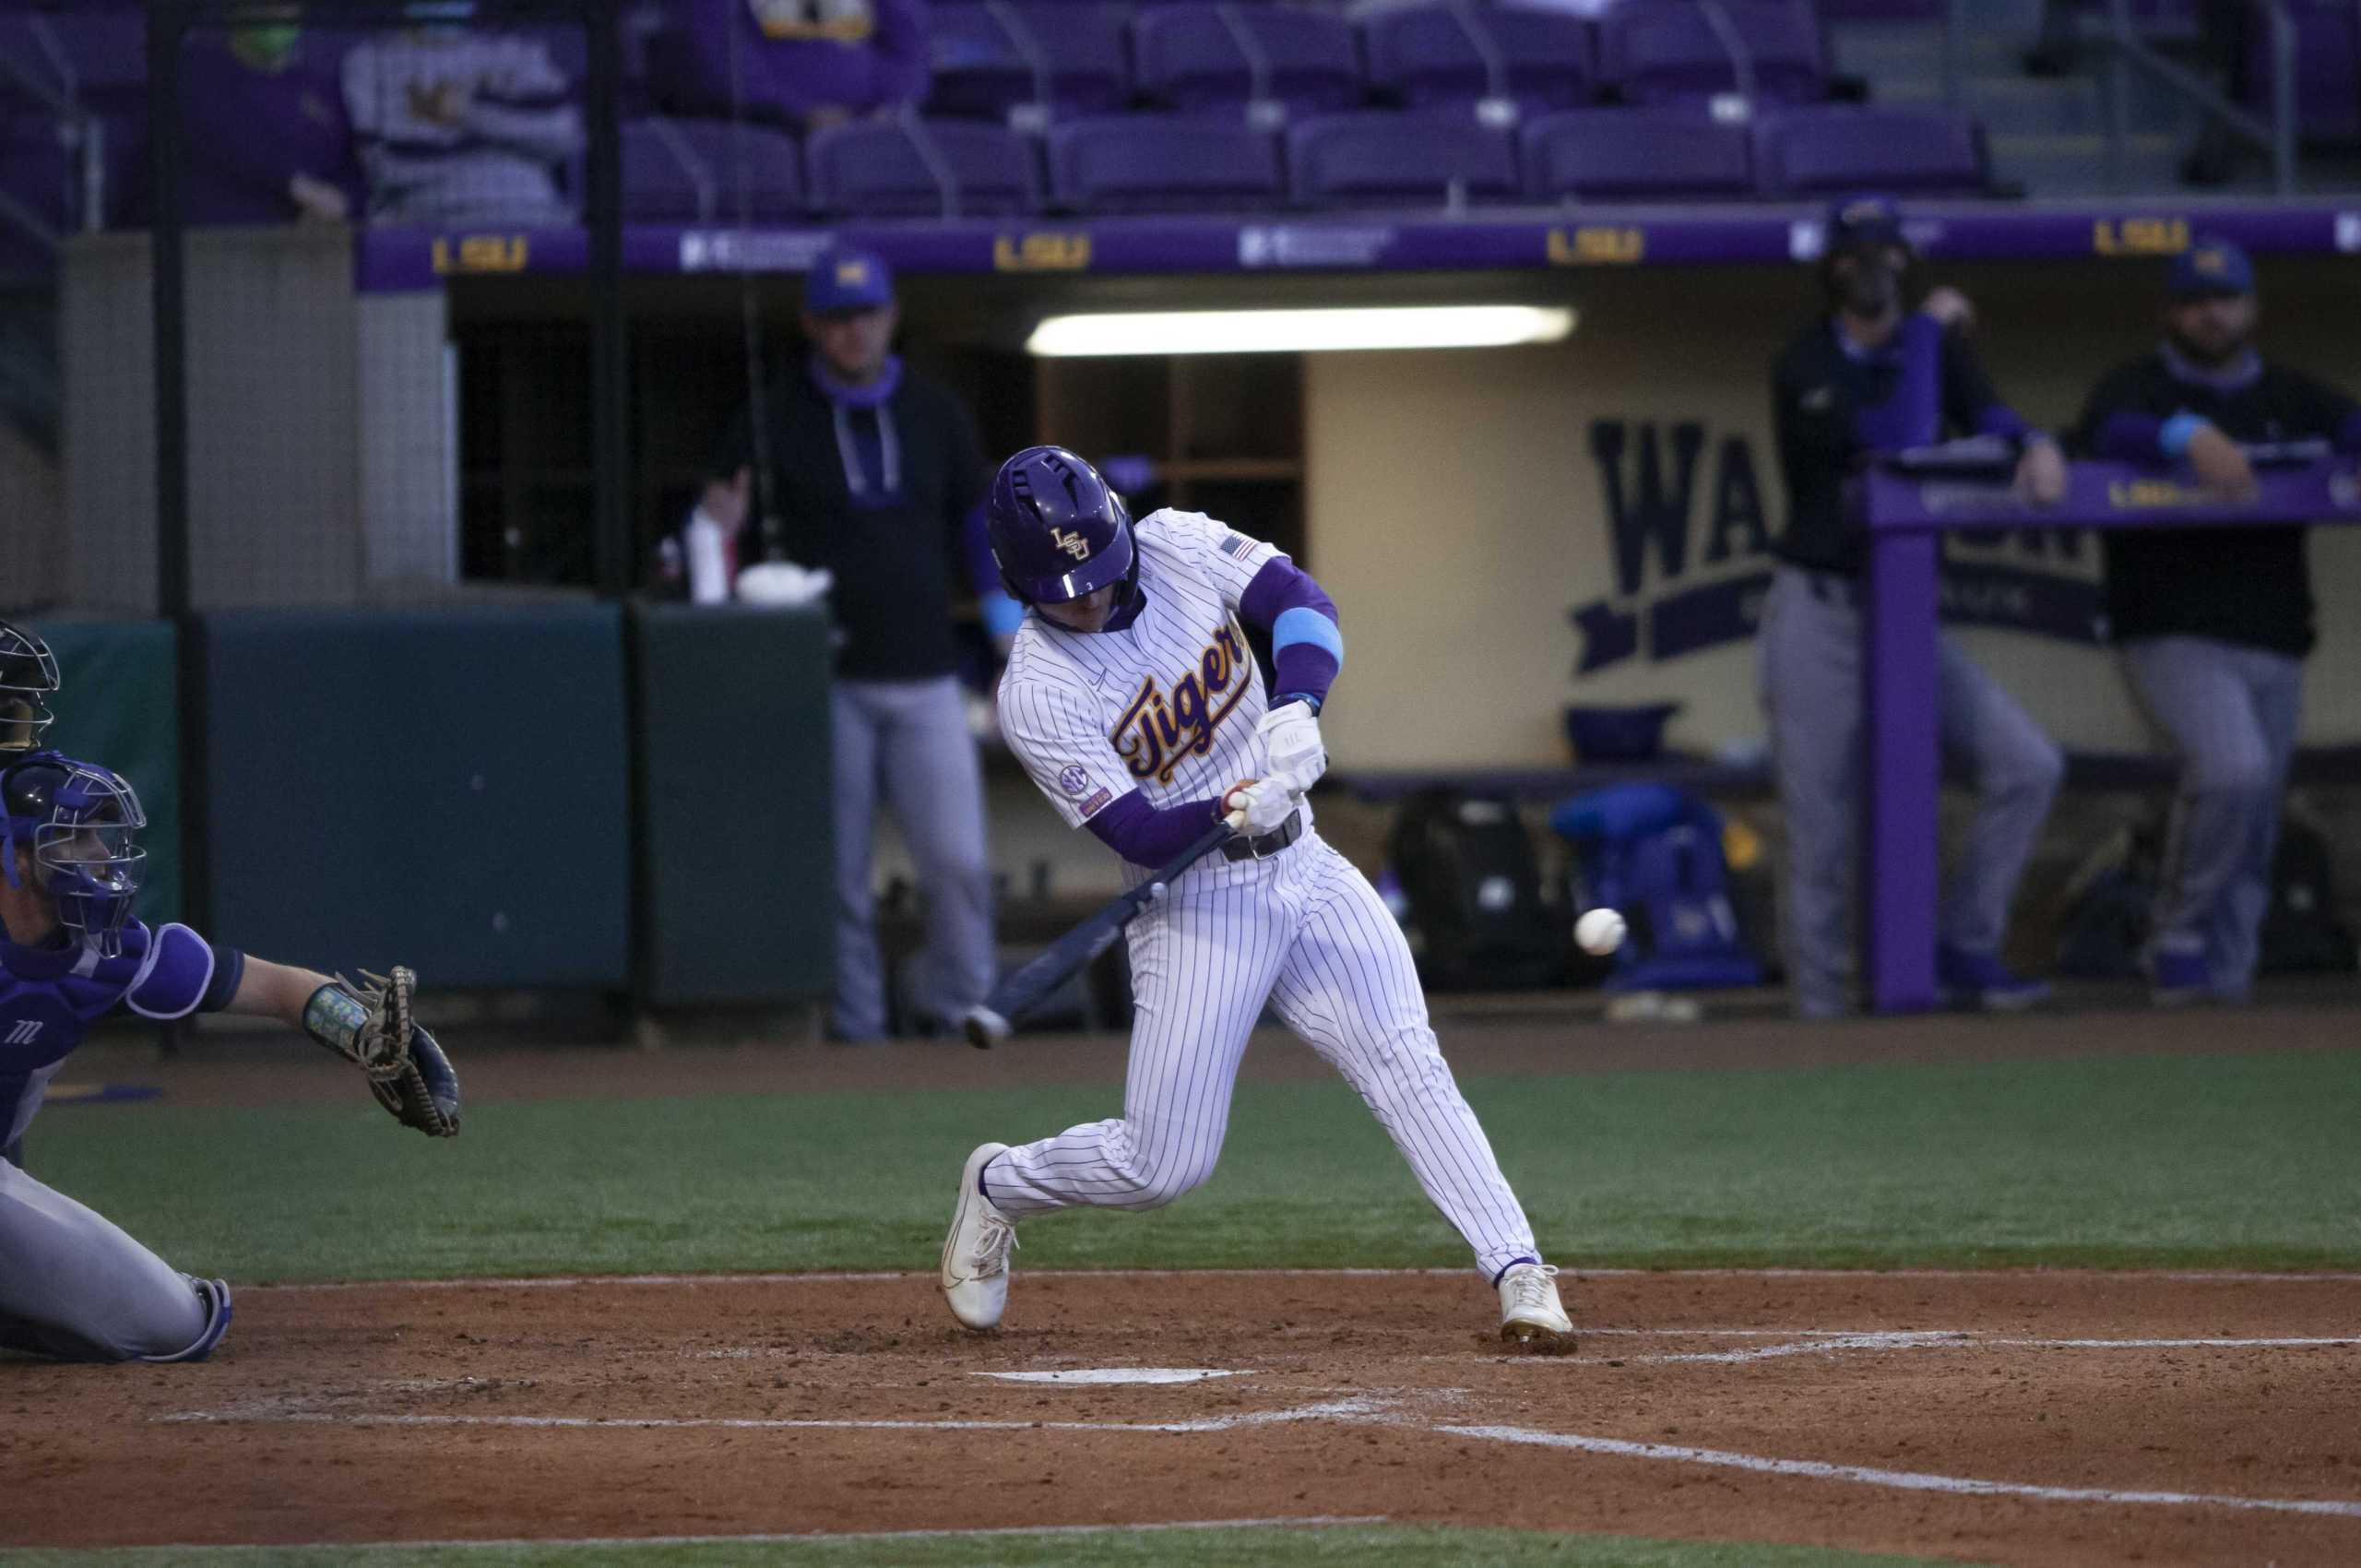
(1530, 1310)
(975, 1255)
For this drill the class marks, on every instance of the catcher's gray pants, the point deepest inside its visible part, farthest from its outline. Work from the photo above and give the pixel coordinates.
(910, 740)
(2231, 715)
(75, 1285)
(1808, 658)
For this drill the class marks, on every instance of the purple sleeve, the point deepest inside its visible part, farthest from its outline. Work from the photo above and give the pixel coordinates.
(2347, 438)
(1284, 600)
(1150, 836)
(2128, 436)
(175, 977)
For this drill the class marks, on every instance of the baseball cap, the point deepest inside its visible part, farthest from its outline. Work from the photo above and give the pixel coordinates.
(845, 280)
(2210, 267)
(1864, 220)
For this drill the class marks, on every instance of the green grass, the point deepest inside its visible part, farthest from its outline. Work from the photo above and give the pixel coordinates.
(2246, 1161)
(1377, 1546)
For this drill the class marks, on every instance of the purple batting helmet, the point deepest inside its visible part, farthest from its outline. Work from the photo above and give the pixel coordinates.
(1058, 529)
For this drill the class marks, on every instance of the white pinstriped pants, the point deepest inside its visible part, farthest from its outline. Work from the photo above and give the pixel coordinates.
(1306, 931)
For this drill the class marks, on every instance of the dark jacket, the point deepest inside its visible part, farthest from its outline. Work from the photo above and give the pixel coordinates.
(2248, 586)
(1831, 408)
(897, 551)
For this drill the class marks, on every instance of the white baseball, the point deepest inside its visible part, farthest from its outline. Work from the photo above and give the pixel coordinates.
(1599, 931)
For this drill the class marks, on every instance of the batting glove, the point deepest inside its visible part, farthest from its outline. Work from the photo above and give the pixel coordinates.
(1259, 805)
(1291, 735)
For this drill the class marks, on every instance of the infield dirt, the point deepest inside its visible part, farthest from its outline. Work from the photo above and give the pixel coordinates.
(727, 1406)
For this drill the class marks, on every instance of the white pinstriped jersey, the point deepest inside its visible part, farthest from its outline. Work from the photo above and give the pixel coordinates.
(1169, 706)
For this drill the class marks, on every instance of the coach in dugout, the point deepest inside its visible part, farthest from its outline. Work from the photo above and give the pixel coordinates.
(2213, 624)
(871, 474)
(1873, 373)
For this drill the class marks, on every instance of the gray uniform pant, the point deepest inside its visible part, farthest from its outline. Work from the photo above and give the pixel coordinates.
(1809, 654)
(74, 1285)
(2231, 715)
(908, 739)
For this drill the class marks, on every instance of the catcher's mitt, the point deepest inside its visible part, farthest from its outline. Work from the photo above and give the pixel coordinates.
(370, 1026)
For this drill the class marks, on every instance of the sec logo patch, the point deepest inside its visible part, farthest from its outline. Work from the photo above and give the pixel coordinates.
(1075, 779)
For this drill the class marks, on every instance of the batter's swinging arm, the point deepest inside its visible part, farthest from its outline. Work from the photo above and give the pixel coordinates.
(988, 1024)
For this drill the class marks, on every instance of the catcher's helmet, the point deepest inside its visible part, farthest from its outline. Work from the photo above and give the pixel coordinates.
(1058, 529)
(28, 679)
(82, 823)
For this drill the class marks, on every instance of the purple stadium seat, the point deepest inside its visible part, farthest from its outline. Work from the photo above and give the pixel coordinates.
(1216, 57)
(989, 59)
(1676, 51)
(2328, 67)
(1632, 154)
(1431, 54)
(692, 171)
(1384, 158)
(1163, 163)
(1830, 147)
(879, 169)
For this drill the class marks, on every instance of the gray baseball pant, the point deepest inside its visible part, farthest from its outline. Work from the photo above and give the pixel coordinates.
(2231, 714)
(75, 1285)
(1809, 659)
(908, 741)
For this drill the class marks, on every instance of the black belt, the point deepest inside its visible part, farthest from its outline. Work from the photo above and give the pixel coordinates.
(1270, 844)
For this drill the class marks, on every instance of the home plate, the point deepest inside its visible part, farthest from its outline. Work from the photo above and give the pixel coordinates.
(1116, 1374)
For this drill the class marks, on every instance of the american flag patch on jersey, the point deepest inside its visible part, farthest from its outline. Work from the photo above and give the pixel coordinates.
(1236, 545)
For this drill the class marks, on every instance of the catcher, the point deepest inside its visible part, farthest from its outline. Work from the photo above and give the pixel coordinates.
(72, 1285)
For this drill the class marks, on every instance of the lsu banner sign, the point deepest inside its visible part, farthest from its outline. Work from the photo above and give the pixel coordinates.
(1689, 532)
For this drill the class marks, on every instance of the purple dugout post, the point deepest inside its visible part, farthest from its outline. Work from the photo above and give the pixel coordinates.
(1905, 515)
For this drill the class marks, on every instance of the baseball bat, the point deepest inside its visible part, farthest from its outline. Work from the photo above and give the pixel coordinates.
(989, 1024)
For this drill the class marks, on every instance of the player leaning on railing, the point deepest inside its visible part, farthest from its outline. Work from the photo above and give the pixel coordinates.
(72, 1285)
(2213, 624)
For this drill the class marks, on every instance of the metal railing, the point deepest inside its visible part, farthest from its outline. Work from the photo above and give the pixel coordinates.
(2128, 51)
(2276, 136)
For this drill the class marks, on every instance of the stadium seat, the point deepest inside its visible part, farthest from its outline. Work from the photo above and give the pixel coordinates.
(1201, 57)
(1163, 163)
(1627, 154)
(1461, 53)
(989, 59)
(1384, 158)
(692, 171)
(1830, 147)
(938, 167)
(2328, 67)
(1677, 51)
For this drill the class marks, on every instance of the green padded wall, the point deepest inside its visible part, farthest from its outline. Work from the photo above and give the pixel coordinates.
(120, 706)
(445, 789)
(734, 797)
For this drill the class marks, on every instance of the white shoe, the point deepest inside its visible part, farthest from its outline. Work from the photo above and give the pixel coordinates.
(975, 1255)
(1530, 1310)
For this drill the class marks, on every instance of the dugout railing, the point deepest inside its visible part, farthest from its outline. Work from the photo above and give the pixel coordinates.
(1906, 506)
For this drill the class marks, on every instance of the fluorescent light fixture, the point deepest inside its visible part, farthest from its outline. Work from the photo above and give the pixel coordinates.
(1298, 331)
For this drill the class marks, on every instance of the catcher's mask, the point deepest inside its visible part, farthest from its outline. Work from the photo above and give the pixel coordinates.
(28, 679)
(81, 823)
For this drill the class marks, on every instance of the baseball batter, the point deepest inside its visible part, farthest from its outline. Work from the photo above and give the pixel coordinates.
(72, 1285)
(1134, 702)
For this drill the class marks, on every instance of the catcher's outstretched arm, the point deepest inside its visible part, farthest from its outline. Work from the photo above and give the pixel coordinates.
(370, 1026)
(275, 991)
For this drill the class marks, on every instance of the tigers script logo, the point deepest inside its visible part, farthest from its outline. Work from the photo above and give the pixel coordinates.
(1156, 733)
